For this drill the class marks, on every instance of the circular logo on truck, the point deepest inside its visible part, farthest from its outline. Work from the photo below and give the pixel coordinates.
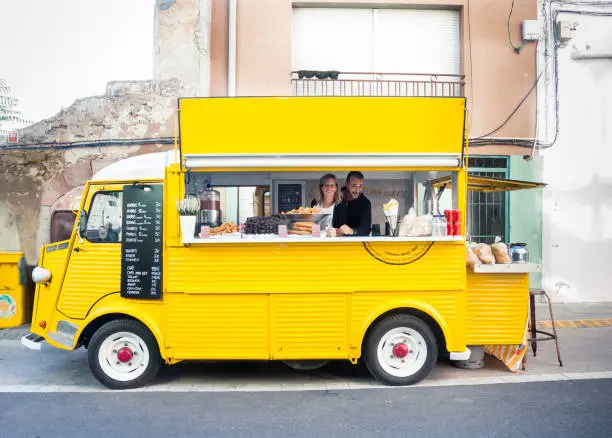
(397, 253)
(8, 306)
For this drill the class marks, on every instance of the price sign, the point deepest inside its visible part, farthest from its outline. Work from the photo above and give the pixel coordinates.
(141, 251)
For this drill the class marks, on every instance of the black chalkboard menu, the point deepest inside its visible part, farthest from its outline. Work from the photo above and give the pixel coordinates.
(289, 196)
(141, 251)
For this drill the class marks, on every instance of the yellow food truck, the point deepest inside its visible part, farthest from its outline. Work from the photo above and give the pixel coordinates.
(149, 276)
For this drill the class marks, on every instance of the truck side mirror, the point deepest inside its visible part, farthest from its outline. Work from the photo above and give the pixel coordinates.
(82, 223)
(74, 205)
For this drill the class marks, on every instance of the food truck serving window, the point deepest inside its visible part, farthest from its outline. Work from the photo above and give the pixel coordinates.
(261, 201)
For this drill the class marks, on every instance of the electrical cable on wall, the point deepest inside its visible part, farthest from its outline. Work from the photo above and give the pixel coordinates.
(555, 46)
(482, 141)
(513, 111)
(517, 49)
(88, 144)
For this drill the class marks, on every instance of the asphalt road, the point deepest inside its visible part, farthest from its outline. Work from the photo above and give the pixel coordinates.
(545, 409)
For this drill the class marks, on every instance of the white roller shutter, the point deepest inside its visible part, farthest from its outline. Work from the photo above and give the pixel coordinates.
(416, 41)
(376, 40)
(332, 39)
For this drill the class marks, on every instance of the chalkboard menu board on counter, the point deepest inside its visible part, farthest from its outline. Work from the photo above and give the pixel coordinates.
(141, 251)
(289, 196)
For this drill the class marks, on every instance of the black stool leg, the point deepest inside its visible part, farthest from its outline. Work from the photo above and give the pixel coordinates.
(534, 342)
(552, 320)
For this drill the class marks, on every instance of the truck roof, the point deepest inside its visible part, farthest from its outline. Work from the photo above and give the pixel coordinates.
(139, 167)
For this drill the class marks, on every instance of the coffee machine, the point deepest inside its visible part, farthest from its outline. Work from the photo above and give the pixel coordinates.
(210, 207)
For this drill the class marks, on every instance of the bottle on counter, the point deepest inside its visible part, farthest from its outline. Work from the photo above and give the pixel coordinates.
(442, 225)
(435, 229)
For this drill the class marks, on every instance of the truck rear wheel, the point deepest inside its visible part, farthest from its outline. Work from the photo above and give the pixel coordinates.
(400, 350)
(123, 354)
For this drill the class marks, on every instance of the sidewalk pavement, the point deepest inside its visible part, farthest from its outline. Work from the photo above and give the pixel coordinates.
(586, 353)
(575, 311)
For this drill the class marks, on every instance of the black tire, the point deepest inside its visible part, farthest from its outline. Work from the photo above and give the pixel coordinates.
(105, 333)
(376, 335)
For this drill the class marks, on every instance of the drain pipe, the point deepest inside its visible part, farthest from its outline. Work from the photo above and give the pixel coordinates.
(231, 47)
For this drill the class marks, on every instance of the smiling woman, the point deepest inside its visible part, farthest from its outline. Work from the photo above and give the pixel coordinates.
(72, 49)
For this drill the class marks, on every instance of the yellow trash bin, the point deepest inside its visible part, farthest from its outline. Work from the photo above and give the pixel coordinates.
(14, 304)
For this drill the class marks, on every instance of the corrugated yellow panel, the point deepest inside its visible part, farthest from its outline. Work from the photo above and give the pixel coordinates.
(206, 326)
(47, 293)
(449, 306)
(497, 308)
(263, 125)
(316, 267)
(92, 272)
(313, 286)
(309, 326)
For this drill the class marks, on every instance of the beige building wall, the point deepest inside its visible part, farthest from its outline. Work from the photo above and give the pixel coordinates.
(496, 78)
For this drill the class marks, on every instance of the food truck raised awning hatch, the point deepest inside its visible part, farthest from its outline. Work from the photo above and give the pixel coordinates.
(488, 184)
(321, 161)
(321, 132)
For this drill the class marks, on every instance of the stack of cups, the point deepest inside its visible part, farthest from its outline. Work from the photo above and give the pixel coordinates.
(453, 222)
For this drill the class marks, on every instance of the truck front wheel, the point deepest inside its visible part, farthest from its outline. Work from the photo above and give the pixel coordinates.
(123, 354)
(400, 350)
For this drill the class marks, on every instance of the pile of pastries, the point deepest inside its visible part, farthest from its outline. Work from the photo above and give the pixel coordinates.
(301, 228)
(225, 228)
(304, 210)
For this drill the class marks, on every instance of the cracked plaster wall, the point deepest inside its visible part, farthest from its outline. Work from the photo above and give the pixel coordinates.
(182, 45)
(35, 182)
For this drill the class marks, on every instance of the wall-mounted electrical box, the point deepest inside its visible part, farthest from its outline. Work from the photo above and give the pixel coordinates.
(531, 30)
(565, 29)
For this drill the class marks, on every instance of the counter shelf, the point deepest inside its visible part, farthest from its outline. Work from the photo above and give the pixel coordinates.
(508, 268)
(307, 239)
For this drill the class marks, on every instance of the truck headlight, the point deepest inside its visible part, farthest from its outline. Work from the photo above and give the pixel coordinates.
(40, 274)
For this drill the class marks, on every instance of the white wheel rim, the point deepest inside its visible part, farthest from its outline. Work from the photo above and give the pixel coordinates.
(392, 346)
(114, 351)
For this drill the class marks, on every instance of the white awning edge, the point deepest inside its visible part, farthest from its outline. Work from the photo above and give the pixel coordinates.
(322, 161)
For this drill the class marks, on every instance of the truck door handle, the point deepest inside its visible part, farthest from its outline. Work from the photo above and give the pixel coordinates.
(77, 249)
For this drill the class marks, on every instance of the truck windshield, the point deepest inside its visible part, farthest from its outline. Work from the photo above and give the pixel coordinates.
(104, 219)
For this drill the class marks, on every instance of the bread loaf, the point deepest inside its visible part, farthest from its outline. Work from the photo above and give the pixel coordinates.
(500, 252)
(471, 258)
(484, 253)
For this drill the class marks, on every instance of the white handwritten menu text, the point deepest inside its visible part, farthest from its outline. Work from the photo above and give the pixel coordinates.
(141, 252)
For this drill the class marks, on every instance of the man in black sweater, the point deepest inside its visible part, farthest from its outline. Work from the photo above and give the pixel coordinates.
(353, 217)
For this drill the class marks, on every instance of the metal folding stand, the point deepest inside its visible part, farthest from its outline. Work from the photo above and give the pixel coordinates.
(533, 331)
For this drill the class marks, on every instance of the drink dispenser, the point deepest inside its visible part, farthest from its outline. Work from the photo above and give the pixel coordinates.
(210, 207)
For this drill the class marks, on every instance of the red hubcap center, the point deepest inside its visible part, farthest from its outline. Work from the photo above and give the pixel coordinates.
(125, 354)
(400, 350)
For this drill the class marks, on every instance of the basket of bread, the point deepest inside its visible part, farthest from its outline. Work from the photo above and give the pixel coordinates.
(481, 253)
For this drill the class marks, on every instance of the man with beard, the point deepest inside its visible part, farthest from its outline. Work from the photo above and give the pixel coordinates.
(353, 217)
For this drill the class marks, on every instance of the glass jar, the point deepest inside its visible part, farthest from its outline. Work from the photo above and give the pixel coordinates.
(210, 199)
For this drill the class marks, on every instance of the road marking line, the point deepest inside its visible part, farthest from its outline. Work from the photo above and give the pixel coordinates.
(314, 386)
(577, 323)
